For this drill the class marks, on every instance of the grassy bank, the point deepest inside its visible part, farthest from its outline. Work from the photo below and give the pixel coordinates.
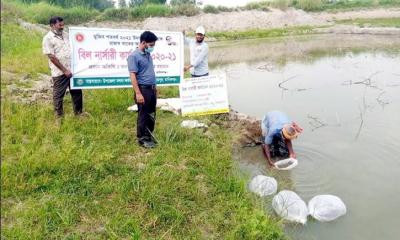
(261, 33)
(373, 22)
(41, 12)
(88, 179)
(321, 5)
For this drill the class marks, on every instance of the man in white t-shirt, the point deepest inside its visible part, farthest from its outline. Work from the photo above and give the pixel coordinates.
(198, 54)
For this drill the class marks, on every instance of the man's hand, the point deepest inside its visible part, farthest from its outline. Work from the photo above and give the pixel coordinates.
(139, 98)
(68, 73)
(292, 155)
(187, 67)
(297, 127)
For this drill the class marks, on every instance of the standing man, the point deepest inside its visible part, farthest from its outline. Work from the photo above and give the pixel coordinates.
(56, 47)
(198, 54)
(143, 78)
(278, 132)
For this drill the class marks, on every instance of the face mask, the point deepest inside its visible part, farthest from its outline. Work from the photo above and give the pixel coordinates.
(149, 49)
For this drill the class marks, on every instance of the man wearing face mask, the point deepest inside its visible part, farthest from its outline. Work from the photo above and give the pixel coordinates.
(143, 78)
(198, 54)
(56, 46)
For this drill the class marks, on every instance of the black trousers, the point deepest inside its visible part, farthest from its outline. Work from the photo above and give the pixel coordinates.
(146, 119)
(278, 148)
(60, 85)
(195, 76)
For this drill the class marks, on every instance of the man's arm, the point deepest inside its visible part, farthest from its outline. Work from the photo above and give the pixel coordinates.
(186, 39)
(267, 154)
(135, 85)
(290, 148)
(58, 64)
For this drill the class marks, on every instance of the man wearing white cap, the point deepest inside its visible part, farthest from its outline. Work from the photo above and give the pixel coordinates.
(198, 54)
(278, 132)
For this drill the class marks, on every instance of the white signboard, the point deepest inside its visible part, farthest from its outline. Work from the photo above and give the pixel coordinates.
(204, 95)
(99, 57)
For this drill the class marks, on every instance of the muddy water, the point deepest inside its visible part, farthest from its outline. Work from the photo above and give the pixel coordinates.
(348, 103)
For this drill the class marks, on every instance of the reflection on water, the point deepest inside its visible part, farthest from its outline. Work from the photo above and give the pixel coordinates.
(349, 107)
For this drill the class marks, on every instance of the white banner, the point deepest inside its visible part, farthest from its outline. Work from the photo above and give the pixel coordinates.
(99, 57)
(204, 95)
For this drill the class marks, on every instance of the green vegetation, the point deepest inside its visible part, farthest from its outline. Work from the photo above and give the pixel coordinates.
(21, 51)
(261, 33)
(96, 4)
(88, 179)
(148, 10)
(76, 12)
(41, 12)
(373, 22)
(210, 9)
(321, 5)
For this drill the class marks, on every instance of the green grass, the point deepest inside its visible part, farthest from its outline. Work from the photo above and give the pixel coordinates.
(41, 12)
(21, 50)
(261, 33)
(373, 22)
(89, 179)
(321, 5)
(358, 4)
(149, 10)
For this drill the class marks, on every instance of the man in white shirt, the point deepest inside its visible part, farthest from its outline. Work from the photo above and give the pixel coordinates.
(198, 54)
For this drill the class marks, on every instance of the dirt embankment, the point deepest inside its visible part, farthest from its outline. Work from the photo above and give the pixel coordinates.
(244, 20)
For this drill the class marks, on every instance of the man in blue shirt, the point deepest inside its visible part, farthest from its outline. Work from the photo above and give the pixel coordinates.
(278, 132)
(143, 78)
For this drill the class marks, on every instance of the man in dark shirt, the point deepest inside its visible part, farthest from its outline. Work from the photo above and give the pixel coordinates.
(143, 78)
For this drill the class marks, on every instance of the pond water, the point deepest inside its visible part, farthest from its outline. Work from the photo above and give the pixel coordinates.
(348, 103)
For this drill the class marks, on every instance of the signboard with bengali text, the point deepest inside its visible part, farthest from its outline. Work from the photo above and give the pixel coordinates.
(99, 57)
(204, 95)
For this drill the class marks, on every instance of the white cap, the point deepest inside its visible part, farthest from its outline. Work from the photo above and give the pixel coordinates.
(200, 30)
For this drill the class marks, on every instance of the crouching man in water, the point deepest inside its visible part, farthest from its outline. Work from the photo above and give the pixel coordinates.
(278, 132)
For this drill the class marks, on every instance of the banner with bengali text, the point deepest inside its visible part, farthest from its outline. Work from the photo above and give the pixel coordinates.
(99, 57)
(204, 95)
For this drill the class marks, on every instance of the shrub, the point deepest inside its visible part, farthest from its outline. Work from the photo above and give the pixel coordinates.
(309, 5)
(257, 6)
(154, 10)
(41, 13)
(225, 9)
(186, 9)
(115, 14)
(210, 9)
(282, 4)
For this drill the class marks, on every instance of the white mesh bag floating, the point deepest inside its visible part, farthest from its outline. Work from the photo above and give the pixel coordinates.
(290, 206)
(263, 185)
(326, 208)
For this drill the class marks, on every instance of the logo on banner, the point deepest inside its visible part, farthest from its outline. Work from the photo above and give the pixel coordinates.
(79, 37)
